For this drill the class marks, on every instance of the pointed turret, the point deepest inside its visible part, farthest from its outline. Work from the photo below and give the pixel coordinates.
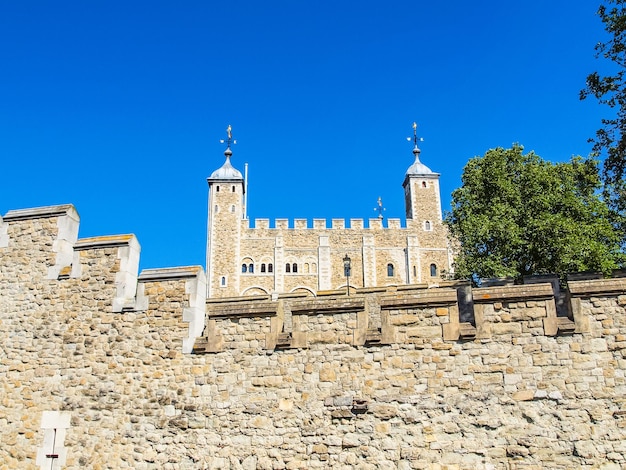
(226, 171)
(226, 211)
(418, 168)
(427, 254)
(421, 187)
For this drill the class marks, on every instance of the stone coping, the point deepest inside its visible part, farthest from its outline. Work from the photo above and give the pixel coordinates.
(294, 295)
(39, 212)
(108, 241)
(244, 299)
(432, 297)
(597, 286)
(242, 309)
(512, 293)
(369, 290)
(408, 287)
(167, 274)
(455, 283)
(328, 305)
(334, 292)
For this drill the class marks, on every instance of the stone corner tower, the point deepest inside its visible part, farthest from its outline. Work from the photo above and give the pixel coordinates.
(421, 192)
(226, 209)
(429, 247)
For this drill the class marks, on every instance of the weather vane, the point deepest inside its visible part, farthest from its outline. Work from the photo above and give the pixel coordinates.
(229, 133)
(415, 139)
(380, 208)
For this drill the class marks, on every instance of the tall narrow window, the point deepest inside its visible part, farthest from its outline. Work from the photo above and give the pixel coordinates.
(262, 267)
(232, 208)
(294, 268)
(52, 453)
(223, 281)
(433, 270)
(251, 268)
(287, 268)
(390, 270)
(423, 184)
(233, 189)
(415, 271)
(427, 225)
(270, 268)
(217, 188)
(244, 268)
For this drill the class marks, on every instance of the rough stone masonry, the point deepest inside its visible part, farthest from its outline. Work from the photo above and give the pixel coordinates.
(103, 367)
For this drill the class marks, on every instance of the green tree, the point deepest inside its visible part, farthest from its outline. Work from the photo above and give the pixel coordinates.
(610, 90)
(517, 214)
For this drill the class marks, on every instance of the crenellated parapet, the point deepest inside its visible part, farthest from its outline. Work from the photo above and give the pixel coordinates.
(415, 315)
(40, 252)
(297, 256)
(40, 249)
(323, 224)
(57, 223)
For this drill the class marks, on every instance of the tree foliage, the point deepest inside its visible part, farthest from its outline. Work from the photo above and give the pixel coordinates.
(610, 90)
(517, 214)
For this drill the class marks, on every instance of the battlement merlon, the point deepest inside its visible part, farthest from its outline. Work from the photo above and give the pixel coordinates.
(128, 251)
(195, 288)
(322, 224)
(579, 290)
(67, 232)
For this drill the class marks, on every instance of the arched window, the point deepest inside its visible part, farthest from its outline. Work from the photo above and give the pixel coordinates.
(306, 267)
(217, 188)
(216, 208)
(287, 268)
(427, 226)
(262, 267)
(233, 189)
(294, 268)
(415, 271)
(314, 267)
(433, 270)
(232, 208)
(270, 268)
(251, 268)
(244, 268)
(223, 282)
(390, 270)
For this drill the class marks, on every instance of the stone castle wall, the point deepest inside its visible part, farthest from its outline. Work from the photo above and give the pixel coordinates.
(103, 367)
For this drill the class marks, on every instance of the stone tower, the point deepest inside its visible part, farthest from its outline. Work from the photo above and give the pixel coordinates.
(226, 209)
(428, 250)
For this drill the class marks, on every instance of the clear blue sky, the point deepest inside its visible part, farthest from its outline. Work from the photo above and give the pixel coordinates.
(118, 107)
